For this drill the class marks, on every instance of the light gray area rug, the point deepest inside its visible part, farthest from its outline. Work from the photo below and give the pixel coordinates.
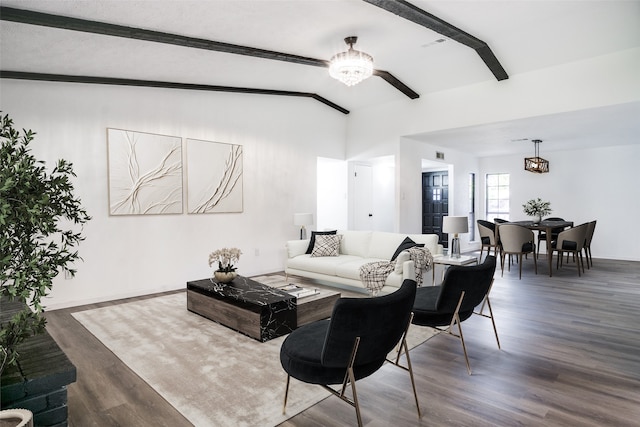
(211, 374)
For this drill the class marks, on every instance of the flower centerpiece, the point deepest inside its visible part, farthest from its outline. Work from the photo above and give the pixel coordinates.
(225, 258)
(537, 208)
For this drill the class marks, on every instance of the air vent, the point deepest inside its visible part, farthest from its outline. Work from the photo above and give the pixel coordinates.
(435, 42)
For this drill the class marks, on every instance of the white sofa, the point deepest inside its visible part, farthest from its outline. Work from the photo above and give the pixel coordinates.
(356, 249)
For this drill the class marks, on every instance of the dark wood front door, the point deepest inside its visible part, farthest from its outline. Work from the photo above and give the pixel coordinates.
(435, 203)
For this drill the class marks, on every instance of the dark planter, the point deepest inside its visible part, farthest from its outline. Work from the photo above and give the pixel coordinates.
(39, 381)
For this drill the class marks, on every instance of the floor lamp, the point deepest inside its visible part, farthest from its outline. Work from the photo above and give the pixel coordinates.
(303, 219)
(455, 225)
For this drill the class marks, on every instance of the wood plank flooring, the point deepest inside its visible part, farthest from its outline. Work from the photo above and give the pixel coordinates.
(570, 357)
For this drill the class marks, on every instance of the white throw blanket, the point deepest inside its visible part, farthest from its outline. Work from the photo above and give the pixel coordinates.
(374, 274)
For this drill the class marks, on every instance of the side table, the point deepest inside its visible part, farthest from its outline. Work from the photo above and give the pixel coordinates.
(448, 260)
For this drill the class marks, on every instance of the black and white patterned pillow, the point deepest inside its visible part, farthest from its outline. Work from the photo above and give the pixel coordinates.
(327, 245)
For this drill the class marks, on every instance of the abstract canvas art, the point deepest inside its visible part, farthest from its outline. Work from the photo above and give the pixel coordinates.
(214, 177)
(145, 173)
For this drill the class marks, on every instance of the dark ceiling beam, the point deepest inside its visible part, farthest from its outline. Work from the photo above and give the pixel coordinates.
(19, 75)
(393, 81)
(95, 27)
(414, 14)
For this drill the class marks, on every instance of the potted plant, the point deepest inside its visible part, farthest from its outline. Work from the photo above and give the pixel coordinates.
(225, 258)
(39, 222)
(537, 208)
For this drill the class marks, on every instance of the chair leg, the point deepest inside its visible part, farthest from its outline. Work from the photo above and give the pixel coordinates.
(495, 330)
(404, 347)
(535, 264)
(464, 347)
(520, 264)
(286, 395)
(352, 379)
(502, 263)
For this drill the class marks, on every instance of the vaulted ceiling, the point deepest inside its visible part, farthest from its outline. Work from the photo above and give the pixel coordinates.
(522, 36)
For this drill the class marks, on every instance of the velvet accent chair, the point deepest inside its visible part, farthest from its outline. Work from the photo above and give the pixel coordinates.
(448, 305)
(591, 228)
(517, 240)
(571, 241)
(488, 237)
(353, 344)
(554, 233)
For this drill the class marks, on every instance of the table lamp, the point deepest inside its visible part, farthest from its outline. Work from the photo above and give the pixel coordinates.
(455, 225)
(303, 219)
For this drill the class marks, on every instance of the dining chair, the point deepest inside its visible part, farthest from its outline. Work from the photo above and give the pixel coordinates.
(353, 344)
(488, 237)
(516, 240)
(587, 243)
(571, 241)
(554, 233)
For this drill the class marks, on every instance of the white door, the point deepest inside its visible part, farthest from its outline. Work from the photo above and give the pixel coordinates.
(363, 197)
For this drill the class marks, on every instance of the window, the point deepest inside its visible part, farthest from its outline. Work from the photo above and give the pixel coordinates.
(497, 196)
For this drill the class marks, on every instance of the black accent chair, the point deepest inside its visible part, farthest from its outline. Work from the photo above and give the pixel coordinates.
(352, 344)
(454, 301)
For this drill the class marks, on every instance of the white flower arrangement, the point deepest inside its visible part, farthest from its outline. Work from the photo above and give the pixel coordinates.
(225, 258)
(537, 207)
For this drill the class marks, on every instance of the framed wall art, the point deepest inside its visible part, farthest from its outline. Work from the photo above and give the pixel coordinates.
(214, 177)
(145, 173)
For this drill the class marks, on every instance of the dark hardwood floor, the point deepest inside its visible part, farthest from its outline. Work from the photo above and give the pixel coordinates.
(570, 357)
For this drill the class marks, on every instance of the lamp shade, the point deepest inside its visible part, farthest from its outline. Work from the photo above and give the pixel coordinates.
(302, 219)
(455, 224)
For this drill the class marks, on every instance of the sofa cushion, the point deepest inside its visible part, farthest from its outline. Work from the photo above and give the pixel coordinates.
(327, 245)
(355, 242)
(383, 244)
(321, 265)
(407, 243)
(312, 241)
(351, 269)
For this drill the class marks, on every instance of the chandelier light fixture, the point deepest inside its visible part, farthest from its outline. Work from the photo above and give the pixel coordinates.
(351, 67)
(536, 164)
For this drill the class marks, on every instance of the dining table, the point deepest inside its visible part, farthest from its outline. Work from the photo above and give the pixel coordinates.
(547, 227)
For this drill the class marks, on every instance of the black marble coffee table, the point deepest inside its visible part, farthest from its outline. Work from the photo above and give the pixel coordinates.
(245, 305)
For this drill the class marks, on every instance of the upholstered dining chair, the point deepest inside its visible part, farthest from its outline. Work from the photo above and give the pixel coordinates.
(591, 228)
(446, 306)
(517, 240)
(352, 344)
(488, 237)
(571, 241)
(554, 233)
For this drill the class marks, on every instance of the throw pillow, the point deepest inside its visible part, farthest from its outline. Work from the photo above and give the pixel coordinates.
(406, 244)
(327, 245)
(312, 242)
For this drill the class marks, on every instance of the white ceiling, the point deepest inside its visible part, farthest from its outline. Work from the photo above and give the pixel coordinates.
(524, 36)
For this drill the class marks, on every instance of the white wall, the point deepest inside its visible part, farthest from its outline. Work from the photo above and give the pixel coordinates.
(134, 255)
